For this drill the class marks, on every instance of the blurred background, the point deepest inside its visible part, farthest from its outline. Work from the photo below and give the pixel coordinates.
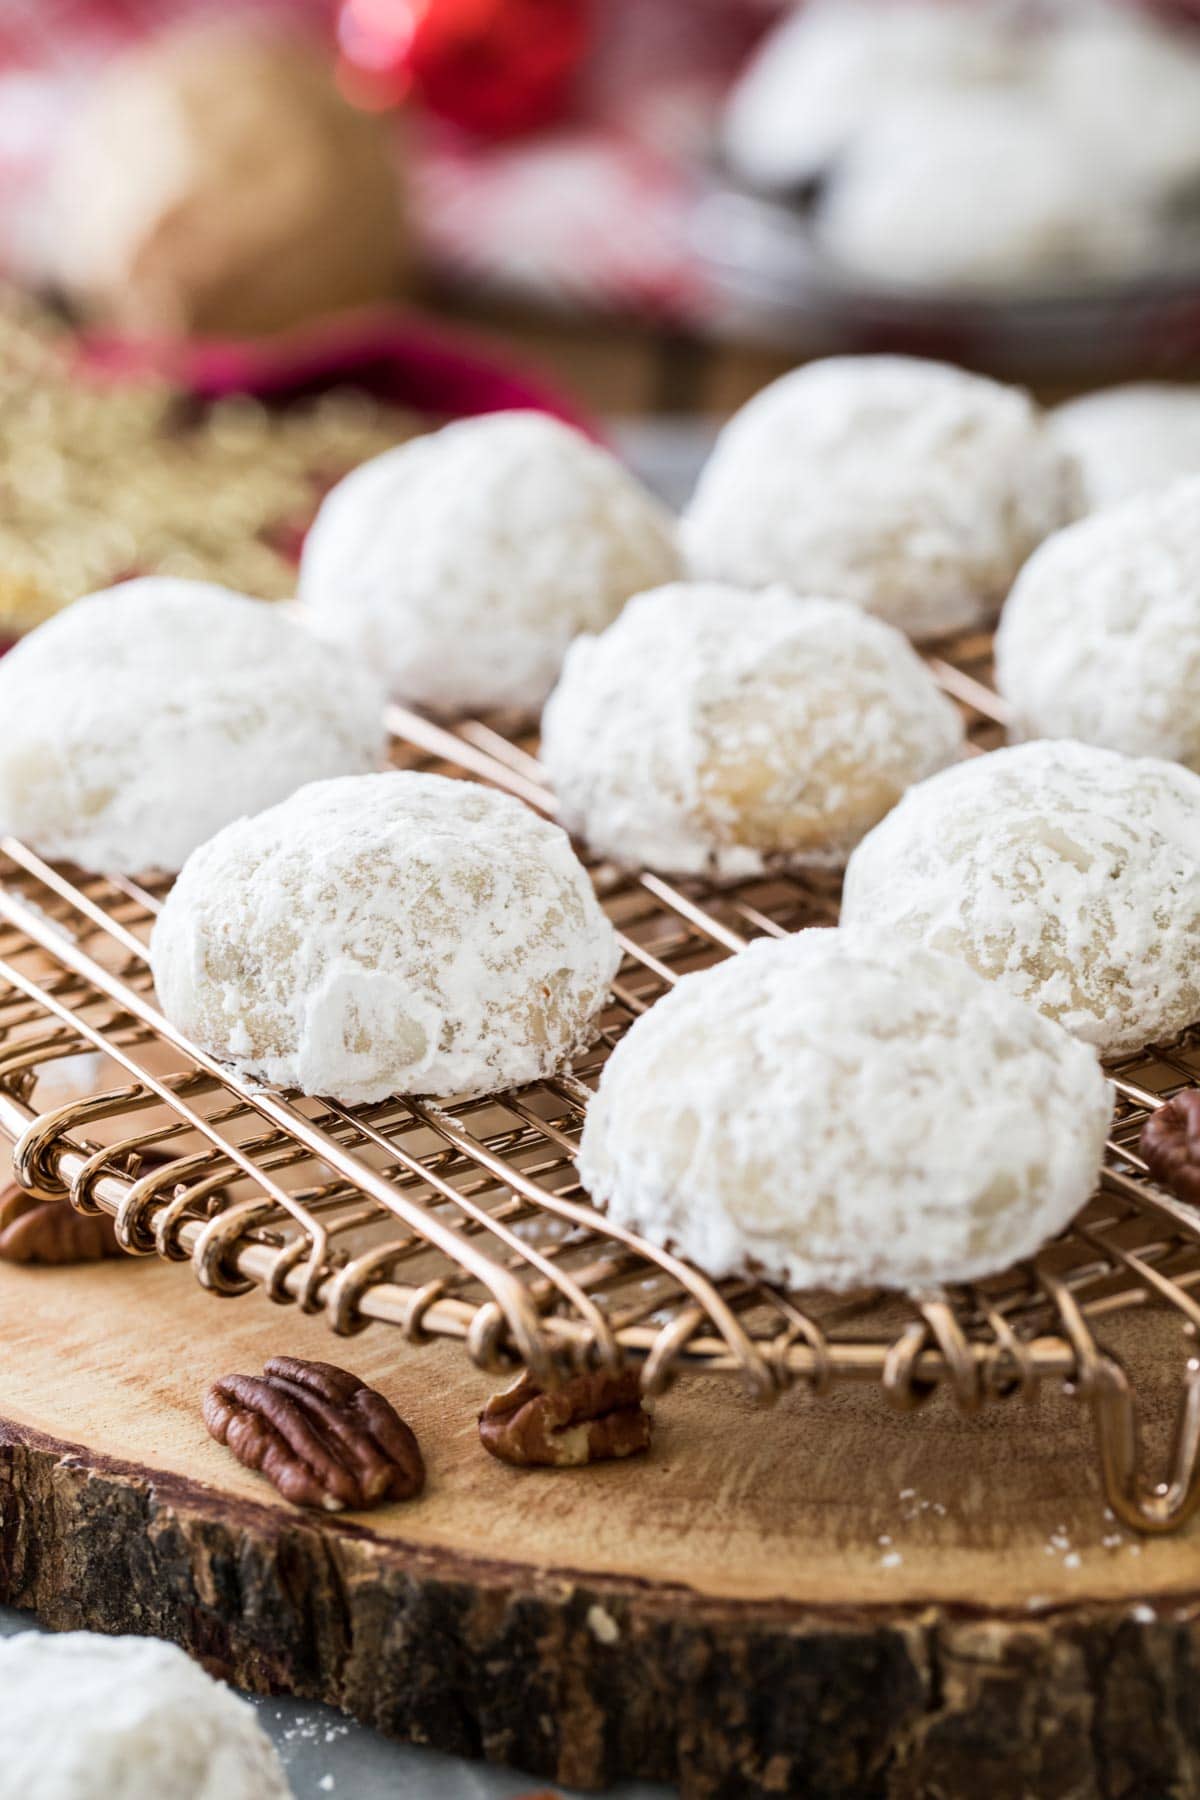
(383, 212)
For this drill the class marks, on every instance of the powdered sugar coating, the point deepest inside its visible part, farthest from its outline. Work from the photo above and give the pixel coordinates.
(87, 1717)
(1130, 440)
(143, 718)
(464, 562)
(1069, 874)
(712, 730)
(841, 1109)
(1100, 637)
(911, 488)
(386, 934)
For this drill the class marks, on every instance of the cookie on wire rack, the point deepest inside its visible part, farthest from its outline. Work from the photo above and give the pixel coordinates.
(711, 730)
(463, 563)
(911, 488)
(387, 934)
(147, 716)
(1100, 637)
(841, 1109)
(1067, 873)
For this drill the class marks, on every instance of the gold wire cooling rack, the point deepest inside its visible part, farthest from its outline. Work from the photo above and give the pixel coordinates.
(466, 1220)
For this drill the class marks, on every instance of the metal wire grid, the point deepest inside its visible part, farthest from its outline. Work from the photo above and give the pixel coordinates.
(467, 1221)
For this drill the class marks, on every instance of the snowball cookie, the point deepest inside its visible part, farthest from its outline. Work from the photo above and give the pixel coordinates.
(710, 730)
(1130, 440)
(909, 487)
(87, 1717)
(839, 1110)
(463, 563)
(829, 69)
(143, 718)
(386, 934)
(1069, 874)
(983, 191)
(1100, 637)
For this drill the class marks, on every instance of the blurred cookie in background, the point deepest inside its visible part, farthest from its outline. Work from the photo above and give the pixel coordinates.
(978, 190)
(217, 182)
(1128, 87)
(966, 149)
(827, 70)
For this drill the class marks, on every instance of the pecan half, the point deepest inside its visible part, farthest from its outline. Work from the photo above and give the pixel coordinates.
(51, 1232)
(1170, 1144)
(318, 1433)
(591, 1418)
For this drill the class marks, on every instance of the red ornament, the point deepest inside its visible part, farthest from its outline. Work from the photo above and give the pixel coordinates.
(496, 67)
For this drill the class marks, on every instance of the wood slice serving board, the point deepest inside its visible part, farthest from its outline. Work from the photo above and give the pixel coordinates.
(826, 1599)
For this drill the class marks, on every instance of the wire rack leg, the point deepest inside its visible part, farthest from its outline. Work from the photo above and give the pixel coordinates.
(1139, 1503)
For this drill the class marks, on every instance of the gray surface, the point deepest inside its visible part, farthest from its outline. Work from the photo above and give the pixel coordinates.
(325, 1753)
